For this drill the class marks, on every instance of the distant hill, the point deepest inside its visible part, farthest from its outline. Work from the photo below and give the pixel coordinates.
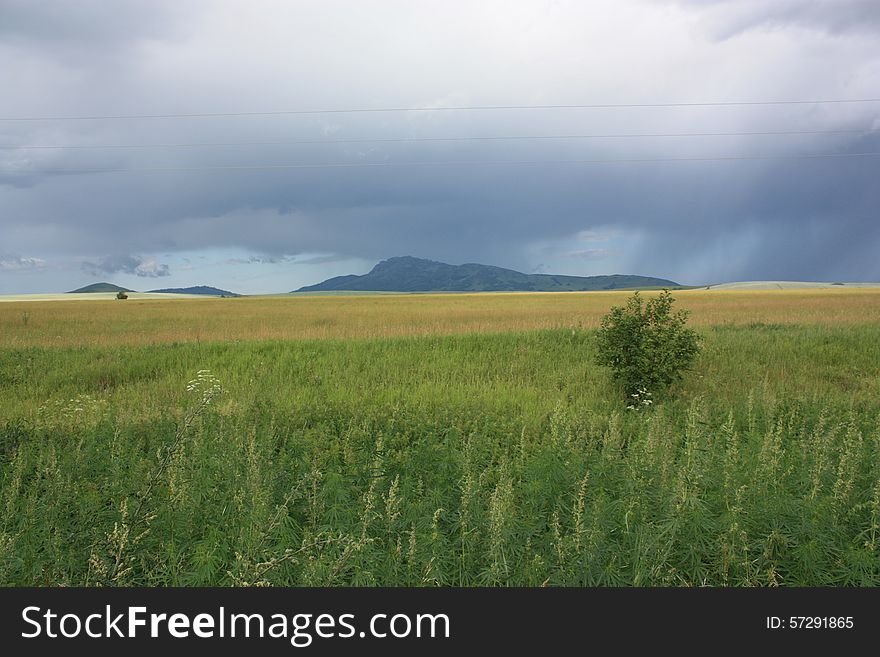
(197, 289)
(787, 285)
(408, 274)
(100, 287)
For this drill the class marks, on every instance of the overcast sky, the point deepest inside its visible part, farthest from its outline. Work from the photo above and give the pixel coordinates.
(273, 230)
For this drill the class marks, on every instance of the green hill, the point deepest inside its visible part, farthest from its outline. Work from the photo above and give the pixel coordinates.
(100, 287)
(207, 290)
(408, 274)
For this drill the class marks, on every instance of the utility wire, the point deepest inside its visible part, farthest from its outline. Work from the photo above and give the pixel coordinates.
(451, 163)
(396, 140)
(365, 110)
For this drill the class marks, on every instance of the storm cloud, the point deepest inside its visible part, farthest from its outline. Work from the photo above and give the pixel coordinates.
(766, 209)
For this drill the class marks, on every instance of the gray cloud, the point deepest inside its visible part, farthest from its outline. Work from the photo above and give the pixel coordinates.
(18, 263)
(259, 260)
(691, 221)
(589, 254)
(127, 264)
(730, 17)
(320, 259)
(59, 26)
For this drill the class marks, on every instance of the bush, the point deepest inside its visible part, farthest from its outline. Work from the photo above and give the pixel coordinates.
(121, 295)
(646, 345)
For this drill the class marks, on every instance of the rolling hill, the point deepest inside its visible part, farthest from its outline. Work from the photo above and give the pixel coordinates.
(206, 290)
(409, 274)
(100, 287)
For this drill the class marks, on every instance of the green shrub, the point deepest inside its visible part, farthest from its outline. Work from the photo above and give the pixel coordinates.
(646, 345)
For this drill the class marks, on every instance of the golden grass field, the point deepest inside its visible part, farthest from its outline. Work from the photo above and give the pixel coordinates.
(162, 321)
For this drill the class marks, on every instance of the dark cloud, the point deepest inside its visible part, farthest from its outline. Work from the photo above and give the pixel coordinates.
(731, 17)
(700, 221)
(320, 260)
(127, 264)
(59, 26)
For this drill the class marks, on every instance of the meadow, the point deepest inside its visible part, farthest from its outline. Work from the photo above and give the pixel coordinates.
(426, 440)
(142, 320)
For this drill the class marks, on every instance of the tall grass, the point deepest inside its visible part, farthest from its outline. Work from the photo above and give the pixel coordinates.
(501, 459)
(153, 321)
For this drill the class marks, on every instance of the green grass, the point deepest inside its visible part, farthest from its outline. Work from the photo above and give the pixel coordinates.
(491, 459)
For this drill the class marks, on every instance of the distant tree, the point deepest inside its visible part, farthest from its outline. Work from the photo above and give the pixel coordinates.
(121, 295)
(646, 345)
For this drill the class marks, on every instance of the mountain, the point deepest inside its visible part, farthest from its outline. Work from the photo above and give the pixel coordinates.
(100, 287)
(408, 274)
(197, 289)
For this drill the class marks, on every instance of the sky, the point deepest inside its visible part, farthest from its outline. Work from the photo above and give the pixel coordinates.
(163, 212)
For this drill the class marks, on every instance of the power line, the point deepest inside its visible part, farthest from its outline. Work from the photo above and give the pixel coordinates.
(451, 163)
(385, 140)
(365, 110)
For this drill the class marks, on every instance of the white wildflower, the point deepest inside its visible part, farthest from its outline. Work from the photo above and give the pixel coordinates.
(642, 398)
(206, 385)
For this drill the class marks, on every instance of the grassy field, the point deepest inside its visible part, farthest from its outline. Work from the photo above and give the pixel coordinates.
(109, 322)
(436, 440)
(92, 296)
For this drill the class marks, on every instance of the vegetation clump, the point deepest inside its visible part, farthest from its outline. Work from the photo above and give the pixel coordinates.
(647, 346)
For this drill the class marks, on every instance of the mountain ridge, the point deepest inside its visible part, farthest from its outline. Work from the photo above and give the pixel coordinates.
(410, 274)
(207, 290)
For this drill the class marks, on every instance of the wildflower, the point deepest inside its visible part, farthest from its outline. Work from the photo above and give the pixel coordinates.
(642, 398)
(206, 385)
